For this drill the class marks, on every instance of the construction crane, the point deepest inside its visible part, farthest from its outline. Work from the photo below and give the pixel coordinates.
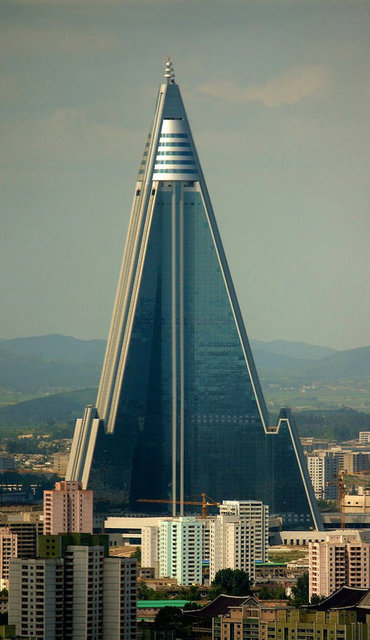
(205, 503)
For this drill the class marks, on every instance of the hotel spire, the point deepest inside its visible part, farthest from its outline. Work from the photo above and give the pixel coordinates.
(180, 409)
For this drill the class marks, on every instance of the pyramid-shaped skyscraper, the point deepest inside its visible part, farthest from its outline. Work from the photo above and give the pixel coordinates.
(180, 409)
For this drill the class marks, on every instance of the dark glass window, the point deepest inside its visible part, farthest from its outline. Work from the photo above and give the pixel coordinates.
(228, 455)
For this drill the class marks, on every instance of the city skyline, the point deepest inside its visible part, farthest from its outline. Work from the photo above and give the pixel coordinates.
(280, 115)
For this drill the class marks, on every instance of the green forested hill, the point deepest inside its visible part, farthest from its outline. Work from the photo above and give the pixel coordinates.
(299, 375)
(59, 407)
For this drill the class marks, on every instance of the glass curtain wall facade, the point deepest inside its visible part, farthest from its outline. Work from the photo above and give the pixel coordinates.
(180, 410)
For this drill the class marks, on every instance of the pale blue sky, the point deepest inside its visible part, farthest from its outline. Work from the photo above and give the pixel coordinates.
(277, 94)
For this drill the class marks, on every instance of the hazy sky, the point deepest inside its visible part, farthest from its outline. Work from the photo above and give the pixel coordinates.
(277, 93)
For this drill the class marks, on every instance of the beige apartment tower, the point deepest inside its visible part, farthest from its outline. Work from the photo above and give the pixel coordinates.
(81, 595)
(8, 550)
(239, 536)
(68, 508)
(343, 559)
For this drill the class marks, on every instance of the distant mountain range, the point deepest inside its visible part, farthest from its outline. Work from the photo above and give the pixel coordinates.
(353, 364)
(44, 364)
(66, 348)
(58, 367)
(297, 350)
(57, 347)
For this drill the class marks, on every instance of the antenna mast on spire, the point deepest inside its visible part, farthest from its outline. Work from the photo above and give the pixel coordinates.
(169, 73)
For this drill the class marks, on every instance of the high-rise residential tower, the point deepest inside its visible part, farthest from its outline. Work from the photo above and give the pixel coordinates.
(342, 559)
(180, 549)
(180, 409)
(68, 508)
(239, 536)
(73, 591)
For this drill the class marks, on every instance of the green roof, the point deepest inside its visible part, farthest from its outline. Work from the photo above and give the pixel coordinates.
(158, 604)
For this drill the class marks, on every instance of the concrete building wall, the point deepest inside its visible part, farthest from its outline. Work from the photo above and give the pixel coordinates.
(354, 461)
(36, 598)
(83, 592)
(323, 468)
(150, 548)
(180, 550)
(8, 550)
(83, 596)
(188, 551)
(60, 462)
(119, 599)
(257, 512)
(239, 536)
(68, 508)
(340, 560)
(364, 437)
(167, 549)
(27, 525)
(255, 622)
(359, 503)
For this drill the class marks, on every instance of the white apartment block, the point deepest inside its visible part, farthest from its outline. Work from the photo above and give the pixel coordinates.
(119, 599)
(256, 511)
(323, 468)
(342, 559)
(68, 508)
(36, 598)
(239, 536)
(27, 525)
(232, 545)
(129, 529)
(180, 550)
(8, 550)
(150, 548)
(176, 547)
(150, 545)
(82, 596)
(364, 437)
(359, 503)
(83, 615)
(102, 595)
(355, 461)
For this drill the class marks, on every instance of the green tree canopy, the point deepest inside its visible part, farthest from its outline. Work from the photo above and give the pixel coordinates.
(173, 618)
(137, 554)
(272, 593)
(300, 591)
(232, 582)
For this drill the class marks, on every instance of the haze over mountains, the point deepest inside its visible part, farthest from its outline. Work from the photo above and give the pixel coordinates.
(55, 364)
(62, 362)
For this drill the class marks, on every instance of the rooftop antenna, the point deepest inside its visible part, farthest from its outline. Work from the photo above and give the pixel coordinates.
(169, 73)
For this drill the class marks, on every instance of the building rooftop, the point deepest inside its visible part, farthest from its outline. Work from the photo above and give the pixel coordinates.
(159, 604)
(345, 598)
(219, 606)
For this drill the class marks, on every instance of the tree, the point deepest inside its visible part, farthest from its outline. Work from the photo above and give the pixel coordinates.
(317, 599)
(300, 591)
(146, 593)
(143, 590)
(189, 593)
(277, 593)
(137, 554)
(173, 618)
(232, 582)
